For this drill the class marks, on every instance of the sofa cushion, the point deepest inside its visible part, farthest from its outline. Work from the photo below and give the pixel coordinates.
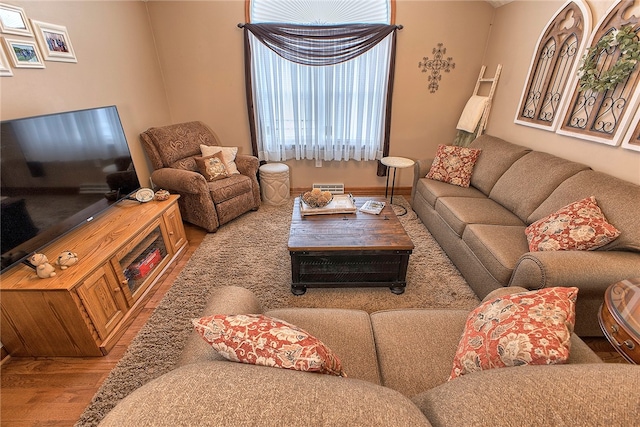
(530, 180)
(578, 226)
(528, 328)
(561, 395)
(496, 157)
(458, 212)
(347, 332)
(618, 199)
(262, 340)
(232, 394)
(497, 247)
(425, 340)
(453, 164)
(431, 190)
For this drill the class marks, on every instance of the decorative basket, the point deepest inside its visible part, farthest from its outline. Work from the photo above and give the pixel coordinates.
(317, 198)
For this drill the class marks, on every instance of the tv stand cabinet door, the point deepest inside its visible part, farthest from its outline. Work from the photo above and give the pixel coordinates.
(103, 300)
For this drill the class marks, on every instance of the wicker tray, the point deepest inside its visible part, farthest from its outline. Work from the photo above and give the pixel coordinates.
(341, 203)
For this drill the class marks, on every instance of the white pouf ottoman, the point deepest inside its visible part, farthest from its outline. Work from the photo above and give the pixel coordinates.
(274, 183)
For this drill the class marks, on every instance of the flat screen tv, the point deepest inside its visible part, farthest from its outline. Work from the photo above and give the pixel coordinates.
(57, 172)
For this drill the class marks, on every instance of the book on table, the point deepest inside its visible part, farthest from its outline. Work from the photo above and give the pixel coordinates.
(372, 207)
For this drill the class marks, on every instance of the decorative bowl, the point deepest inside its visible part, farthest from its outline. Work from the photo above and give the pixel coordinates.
(317, 198)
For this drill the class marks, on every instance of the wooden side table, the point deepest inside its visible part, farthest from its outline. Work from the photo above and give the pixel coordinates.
(619, 318)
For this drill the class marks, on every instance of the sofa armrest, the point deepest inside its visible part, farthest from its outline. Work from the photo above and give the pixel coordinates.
(420, 169)
(598, 394)
(247, 165)
(179, 181)
(590, 271)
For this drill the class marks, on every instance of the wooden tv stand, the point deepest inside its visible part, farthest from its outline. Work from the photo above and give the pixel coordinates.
(85, 309)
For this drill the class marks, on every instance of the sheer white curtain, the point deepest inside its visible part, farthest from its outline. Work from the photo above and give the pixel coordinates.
(334, 112)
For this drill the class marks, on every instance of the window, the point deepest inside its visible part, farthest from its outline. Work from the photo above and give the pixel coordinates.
(319, 83)
(553, 65)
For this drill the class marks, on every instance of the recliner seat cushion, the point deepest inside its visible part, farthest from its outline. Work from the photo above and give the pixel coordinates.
(458, 212)
(229, 188)
(497, 247)
(515, 190)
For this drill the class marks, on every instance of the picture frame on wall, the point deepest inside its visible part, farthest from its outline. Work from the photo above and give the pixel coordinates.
(14, 21)
(5, 68)
(632, 138)
(24, 53)
(54, 41)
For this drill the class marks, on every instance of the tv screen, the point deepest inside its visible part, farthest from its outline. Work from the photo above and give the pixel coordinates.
(57, 172)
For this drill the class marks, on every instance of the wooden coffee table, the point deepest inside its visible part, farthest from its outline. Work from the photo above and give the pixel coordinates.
(348, 250)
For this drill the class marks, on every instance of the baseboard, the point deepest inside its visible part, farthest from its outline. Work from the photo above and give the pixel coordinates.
(360, 191)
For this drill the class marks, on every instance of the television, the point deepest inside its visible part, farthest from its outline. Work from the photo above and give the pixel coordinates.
(57, 172)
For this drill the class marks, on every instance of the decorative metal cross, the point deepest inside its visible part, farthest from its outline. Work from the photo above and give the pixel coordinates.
(435, 66)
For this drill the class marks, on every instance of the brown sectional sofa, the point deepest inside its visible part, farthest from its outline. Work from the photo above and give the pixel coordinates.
(397, 363)
(481, 228)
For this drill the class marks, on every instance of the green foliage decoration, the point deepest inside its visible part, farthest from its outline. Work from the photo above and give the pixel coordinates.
(624, 39)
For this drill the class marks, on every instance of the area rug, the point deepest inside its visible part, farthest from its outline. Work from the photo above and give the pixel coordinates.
(251, 252)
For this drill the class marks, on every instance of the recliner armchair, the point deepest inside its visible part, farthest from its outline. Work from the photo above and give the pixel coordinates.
(172, 150)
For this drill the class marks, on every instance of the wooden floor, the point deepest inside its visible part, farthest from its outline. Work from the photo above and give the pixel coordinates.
(53, 391)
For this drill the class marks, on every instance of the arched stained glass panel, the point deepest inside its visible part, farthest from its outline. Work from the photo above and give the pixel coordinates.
(553, 66)
(603, 116)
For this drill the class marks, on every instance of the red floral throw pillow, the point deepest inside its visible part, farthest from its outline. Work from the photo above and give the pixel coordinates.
(261, 340)
(454, 165)
(579, 226)
(527, 328)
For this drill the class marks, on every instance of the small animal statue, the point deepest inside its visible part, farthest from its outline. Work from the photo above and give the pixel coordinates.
(43, 268)
(66, 259)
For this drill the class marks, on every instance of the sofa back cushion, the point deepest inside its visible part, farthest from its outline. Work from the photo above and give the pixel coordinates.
(496, 157)
(175, 145)
(618, 199)
(530, 180)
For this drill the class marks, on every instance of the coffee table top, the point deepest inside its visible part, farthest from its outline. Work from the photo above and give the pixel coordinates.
(352, 231)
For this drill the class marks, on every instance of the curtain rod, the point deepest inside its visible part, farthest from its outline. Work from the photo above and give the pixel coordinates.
(399, 27)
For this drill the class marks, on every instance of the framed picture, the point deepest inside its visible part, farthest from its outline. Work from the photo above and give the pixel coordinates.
(632, 138)
(54, 41)
(14, 21)
(24, 54)
(5, 68)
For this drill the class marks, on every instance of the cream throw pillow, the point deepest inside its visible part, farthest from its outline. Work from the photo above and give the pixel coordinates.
(228, 153)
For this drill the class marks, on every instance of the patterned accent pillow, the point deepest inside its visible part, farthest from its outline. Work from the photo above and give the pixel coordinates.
(228, 153)
(579, 226)
(261, 340)
(526, 328)
(212, 167)
(454, 164)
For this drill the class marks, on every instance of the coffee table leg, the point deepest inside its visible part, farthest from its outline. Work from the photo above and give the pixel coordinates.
(298, 289)
(398, 289)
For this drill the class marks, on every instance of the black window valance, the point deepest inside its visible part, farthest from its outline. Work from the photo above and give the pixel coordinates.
(320, 45)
